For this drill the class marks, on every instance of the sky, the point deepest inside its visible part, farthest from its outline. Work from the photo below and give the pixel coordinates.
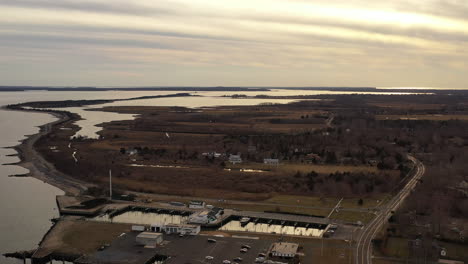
(391, 43)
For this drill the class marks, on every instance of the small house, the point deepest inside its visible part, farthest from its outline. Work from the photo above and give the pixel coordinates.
(312, 157)
(251, 149)
(197, 204)
(271, 161)
(235, 159)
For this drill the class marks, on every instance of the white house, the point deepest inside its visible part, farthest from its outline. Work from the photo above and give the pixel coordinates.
(197, 204)
(235, 159)
(251, 149)
(271, 161)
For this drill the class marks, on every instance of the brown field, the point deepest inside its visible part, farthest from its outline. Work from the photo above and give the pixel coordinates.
(294, 167)
(398, 247)
(172, 140)
(81, 237)
(409, 105)
(422, 117)
(353, 216)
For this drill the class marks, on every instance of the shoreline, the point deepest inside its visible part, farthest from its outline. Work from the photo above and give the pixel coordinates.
(33, 161)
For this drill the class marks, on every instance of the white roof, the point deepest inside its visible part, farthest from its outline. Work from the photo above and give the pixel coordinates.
(149, 235)
(284, 248)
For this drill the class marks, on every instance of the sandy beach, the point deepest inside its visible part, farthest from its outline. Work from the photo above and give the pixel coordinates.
(40, 168)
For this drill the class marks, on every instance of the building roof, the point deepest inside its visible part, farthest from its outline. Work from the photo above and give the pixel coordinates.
(215, 210)
(284, 248)
(463, 185)
(149, 235)
(181, 225)
(446, 261)
(284, 217)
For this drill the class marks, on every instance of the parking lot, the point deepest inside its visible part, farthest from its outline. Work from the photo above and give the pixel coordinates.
(195, 249)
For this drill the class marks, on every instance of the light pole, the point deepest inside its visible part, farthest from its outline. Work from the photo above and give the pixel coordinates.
(110, 184)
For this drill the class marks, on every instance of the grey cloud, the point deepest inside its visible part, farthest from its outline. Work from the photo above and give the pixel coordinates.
(446, 8)
(457, 9)
(34, 40)
(111, 7)
(415, 32)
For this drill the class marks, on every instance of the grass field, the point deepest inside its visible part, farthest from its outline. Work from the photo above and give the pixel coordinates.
(79, 237)
(398, 247)
(303, 168)
(353, 216)
(303, 200)
(87, 236)
(407, 105)
(422, 117)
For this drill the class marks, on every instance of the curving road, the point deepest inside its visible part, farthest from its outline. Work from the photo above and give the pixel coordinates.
(364, 242)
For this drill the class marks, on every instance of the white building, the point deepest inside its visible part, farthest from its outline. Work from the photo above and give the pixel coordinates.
(206, 216)
(284, 250)
(235, 159)
(183, 229)
(211, 154)
(271, 161)
(149, 239)
(251, 149)
(197, 204)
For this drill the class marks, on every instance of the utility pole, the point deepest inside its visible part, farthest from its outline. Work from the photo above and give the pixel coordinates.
(110, 184)
(321, 251)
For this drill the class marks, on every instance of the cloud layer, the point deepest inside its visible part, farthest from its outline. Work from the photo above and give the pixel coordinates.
(254, 42)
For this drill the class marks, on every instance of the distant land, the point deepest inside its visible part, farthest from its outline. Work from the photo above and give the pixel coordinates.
(100, 89)
(230, 89)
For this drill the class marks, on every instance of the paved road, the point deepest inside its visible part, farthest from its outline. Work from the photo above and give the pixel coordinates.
(364, 243)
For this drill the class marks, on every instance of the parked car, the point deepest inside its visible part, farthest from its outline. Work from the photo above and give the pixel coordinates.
(259, 260)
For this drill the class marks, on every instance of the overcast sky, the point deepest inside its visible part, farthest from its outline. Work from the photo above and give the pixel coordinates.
(234, 43)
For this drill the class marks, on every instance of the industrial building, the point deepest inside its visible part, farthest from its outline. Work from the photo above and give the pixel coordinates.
(197, 204)
(183, 229)
(149, 239)
(206, 216)
(283, 250)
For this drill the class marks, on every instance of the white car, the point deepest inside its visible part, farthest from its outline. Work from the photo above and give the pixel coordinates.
(226, 261)
(209, 258)
(260, 260)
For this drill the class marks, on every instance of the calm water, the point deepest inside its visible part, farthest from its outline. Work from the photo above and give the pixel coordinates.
(27, 204)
